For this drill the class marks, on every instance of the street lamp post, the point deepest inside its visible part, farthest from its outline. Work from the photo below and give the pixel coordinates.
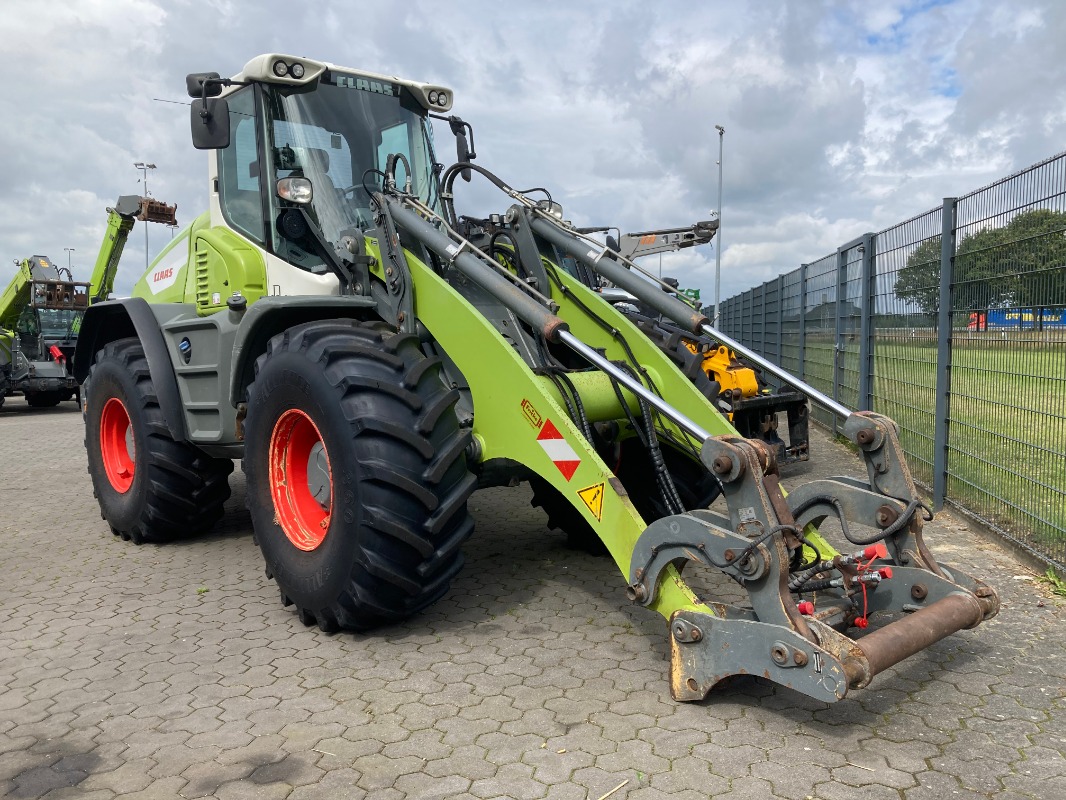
(718, 247)
(143, 167)
(69, 251)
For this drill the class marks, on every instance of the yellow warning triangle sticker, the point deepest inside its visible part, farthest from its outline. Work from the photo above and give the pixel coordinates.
(592, 496)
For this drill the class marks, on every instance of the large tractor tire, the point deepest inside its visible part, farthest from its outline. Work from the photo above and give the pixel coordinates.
(562, 516)
(357, 476)
(151, 488)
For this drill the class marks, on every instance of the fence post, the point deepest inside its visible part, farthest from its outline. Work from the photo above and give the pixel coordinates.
(943, 356)
(780, 320)
(802, 355)
(762, 324)
(838, 344)
(866, 339)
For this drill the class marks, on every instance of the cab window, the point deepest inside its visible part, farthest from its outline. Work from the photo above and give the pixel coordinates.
(238, 170)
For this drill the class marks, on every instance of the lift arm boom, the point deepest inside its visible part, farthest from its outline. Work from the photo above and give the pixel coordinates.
(667, 240)
(15, 296)
(120, 219)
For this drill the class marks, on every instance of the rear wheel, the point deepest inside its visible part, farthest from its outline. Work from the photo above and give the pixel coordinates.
(151, 488)
(357, 477)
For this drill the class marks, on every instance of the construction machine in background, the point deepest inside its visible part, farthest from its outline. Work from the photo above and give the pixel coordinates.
(40, 314)
(42, 307)
(334, 323)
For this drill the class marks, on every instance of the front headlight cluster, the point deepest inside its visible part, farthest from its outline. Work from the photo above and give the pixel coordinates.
(437, 98)
(283, 70)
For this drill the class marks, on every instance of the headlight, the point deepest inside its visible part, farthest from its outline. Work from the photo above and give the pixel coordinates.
(281, 69)
(295, 190)
(433, 98)
(297, 70)
(442, 99)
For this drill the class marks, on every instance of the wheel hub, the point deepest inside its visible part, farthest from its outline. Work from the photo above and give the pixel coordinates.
(300, 480)
(118, 449)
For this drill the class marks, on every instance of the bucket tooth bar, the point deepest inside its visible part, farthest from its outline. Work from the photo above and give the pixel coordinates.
(805, 650)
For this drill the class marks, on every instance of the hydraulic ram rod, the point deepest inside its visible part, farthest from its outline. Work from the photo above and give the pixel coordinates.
(635, 386)
(604, 263)
(773, 369)
(523, 305)
(671, 307)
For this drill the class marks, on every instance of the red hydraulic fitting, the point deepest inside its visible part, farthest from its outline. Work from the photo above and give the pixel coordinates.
(861, 622)
(869, 553)
(806, 607)
(885, 572)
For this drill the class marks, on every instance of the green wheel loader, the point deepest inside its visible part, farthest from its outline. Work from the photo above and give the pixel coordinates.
(332, 321)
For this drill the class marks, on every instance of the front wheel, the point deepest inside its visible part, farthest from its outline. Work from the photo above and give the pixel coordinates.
(357, 477)
(151, 488)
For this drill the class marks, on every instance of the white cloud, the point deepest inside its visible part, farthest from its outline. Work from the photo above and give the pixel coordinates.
(841, 117)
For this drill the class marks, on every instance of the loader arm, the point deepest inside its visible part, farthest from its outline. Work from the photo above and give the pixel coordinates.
(120, 221)
(16, 295)
(757, 542)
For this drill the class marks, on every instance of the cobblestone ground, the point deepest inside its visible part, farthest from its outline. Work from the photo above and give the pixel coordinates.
(175, 672)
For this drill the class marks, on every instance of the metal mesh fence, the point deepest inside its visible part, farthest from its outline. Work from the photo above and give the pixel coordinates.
(1007, 446)
(873, 334)
(819, 329)
(905, 349)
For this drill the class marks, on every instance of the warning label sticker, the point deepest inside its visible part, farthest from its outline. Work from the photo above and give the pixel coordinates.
(531, 414)
(592, 496)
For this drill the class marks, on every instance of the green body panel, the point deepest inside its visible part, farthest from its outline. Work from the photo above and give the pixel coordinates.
(15, 296)
(204, 265)
(224, 263)
(166, 278)
(7, 340)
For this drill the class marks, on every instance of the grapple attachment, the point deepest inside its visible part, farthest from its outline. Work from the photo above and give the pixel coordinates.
(797, 642)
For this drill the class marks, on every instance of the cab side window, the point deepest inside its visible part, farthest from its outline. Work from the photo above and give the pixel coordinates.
(238, 170)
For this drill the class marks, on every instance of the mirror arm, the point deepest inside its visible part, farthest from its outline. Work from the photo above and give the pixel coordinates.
(457, 124)
(205, 115)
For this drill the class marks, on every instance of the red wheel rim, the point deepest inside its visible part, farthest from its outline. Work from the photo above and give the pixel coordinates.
(117, 447)
(297, 453)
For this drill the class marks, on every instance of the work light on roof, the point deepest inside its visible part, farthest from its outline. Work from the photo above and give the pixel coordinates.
(297, 70)
(442, 99)
(433, 98)
(281, 69)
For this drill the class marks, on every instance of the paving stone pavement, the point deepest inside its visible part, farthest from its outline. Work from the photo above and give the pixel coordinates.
(174, 671)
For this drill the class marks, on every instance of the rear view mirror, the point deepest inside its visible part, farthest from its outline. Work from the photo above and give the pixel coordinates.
(209, 119)
(462, 153)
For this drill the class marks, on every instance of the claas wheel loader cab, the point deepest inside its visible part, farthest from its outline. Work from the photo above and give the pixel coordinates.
(335, 324)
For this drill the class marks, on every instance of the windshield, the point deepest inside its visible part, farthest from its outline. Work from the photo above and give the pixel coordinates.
(339, 135)
(51, 323)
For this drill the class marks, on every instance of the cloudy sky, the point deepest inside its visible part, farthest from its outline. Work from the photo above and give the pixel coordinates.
(840, 117)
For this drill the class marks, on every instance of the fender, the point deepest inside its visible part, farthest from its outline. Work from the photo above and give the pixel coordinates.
(271, 315)
(117, 319)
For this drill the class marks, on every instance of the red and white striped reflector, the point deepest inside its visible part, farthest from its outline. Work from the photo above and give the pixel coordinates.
(561, 453)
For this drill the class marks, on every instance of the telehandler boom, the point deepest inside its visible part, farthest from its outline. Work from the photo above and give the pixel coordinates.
(333, 322)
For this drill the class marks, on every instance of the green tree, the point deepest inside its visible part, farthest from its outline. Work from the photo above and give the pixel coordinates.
(1021, 264)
